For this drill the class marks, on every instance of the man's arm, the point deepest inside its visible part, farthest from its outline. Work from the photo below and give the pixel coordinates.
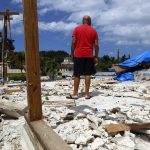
(73, 45)
(96, 46)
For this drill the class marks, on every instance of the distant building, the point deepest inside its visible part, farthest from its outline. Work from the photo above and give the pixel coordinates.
(67, 67)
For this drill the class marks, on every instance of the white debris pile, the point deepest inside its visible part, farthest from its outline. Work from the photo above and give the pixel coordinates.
(13, 94)
(10, 133)
(105, 87)
(127, 89)
(13, 99)
(83, 126)
(60, 88)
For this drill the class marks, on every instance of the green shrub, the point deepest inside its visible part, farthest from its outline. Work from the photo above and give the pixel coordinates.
(17, 77)
(46, 98)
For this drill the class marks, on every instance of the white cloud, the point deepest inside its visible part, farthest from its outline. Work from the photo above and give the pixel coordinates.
(43, 11)
(17, 19)
(57, 26)
(17, 1)
(126, 42)
(17, 30)
(121, 22)
(71, 5)
(130, 31)
(16, 24)
(146, 42)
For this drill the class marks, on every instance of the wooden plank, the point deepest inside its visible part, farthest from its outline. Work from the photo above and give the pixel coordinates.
(49, 139)
(9, 13)
(9, 19)
(29, 140)
(9, 91)
(32, 59)
(110, 82)
(123, 127)
(52, 103)
(46, 102)
(58, 105)
(16, 84)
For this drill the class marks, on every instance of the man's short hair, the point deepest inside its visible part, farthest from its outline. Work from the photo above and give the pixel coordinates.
(86, 20)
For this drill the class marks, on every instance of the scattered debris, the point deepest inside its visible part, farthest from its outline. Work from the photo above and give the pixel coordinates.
(99, 123)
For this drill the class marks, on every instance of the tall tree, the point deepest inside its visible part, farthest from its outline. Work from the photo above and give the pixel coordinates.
(123, 58)
(17, 60)
(118, 55)
(50, 62)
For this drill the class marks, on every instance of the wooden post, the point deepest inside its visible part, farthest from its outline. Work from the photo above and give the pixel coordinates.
(3, 49)
(6, 19)
(4, 69)
(32, 59)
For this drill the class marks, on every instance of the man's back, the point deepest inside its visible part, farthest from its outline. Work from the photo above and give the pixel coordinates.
(85, 37)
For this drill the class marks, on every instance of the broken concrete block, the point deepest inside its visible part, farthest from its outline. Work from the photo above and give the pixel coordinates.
(70, 139)
(141, 144)
(80, 116)
(73, 146)
(97, 143)
(96, 133)
(93, 119)
(110, 146)
(124, 142)
(82, 140)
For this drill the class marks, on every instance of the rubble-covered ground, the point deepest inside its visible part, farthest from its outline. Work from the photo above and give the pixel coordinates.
(83, 126)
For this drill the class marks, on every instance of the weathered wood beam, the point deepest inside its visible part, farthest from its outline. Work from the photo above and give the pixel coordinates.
(9, 13)
(9, 91)
(112, 128)
(32, 59)
(49, 139)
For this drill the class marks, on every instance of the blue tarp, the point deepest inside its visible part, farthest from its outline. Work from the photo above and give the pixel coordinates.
(130, 63)
(143, 58)
(125, 76)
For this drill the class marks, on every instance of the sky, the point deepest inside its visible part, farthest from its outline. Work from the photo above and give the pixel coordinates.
(121, 24)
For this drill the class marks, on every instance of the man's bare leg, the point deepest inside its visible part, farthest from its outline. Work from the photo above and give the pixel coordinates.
(76, 85)
(87, 85)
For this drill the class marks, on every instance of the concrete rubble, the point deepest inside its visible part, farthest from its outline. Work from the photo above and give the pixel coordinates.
(83, 126)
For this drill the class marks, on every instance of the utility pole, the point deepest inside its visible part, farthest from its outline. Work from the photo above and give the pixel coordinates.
(118, 55)
(6, 19)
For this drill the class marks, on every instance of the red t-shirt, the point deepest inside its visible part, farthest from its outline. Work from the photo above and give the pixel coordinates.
(85, 37)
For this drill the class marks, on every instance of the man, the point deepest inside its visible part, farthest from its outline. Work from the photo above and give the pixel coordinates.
(84, 39)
